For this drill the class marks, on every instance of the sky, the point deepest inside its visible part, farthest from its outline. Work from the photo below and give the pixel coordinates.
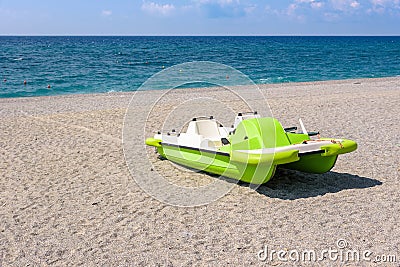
(200, 17)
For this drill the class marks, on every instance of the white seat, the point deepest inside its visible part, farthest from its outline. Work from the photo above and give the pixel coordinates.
(208, 129)
(203, 133)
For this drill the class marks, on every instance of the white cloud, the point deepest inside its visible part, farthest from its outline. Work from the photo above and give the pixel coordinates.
(305, 1)
(312, 3)
(106, 13)
(223, 8)
(219, 2)
(291, 12)
(291, 9)
(316, 5)
(354, 4)
(386, 2)
(226, 2)
(345, 5)
(381, 6)
(155, 8)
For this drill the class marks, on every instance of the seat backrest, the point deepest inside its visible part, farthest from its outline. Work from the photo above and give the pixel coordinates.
(272, 132)
(208, 129)
(259, 133)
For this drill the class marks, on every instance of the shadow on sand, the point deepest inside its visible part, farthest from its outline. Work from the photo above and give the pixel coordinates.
(291, 185)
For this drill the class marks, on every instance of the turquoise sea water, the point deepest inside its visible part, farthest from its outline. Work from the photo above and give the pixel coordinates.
(73, 65)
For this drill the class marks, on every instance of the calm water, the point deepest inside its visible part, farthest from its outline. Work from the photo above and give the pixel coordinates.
(74, 65)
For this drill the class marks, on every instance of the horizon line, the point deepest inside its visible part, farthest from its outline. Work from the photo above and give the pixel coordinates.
(199, 35)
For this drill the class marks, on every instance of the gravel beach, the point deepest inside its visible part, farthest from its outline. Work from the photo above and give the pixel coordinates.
(67, 197)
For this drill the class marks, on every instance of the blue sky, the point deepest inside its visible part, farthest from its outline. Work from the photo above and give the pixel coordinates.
(200, 17)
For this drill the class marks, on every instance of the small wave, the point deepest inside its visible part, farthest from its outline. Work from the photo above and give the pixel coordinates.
(278, 79)
(18, 59)
(113, 91)
(265, 80)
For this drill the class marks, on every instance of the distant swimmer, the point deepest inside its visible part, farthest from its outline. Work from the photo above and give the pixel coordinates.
(24, 82)
(5, 80)
(48, 86)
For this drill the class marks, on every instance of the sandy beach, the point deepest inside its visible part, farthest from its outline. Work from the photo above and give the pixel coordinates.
(67, 197)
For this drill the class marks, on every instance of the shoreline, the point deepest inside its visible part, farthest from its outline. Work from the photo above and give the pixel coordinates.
(261, 86)
(68, 198)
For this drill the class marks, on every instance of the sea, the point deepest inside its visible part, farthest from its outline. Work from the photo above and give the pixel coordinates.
(58, 65)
